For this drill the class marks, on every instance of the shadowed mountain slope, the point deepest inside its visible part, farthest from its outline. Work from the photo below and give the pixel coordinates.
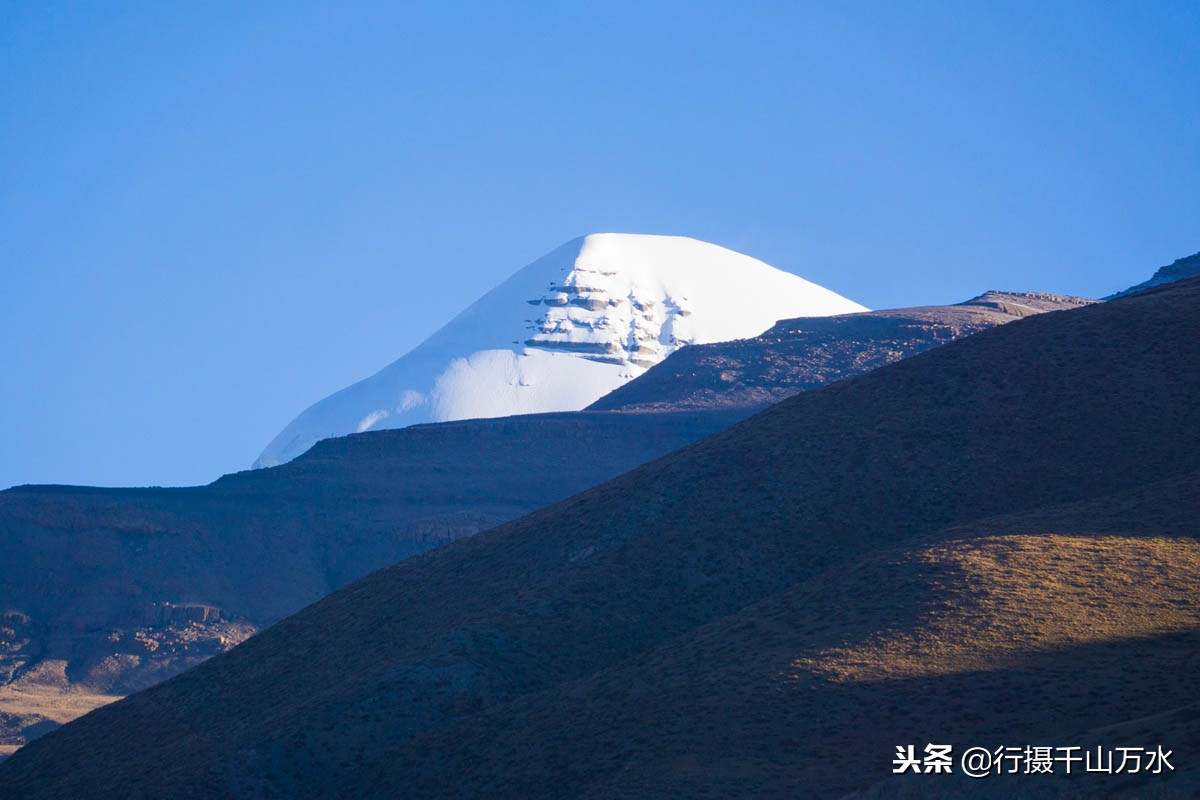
(445, 674)
(994, 632)
(123, 588)
(797, 355)
(107, 591)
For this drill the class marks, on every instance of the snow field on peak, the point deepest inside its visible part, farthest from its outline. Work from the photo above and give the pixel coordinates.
(564, 331)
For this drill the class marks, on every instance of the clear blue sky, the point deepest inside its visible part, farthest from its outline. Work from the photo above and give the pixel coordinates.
(214, 214)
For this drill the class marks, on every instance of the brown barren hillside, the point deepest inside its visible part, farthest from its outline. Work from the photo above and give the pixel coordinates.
(798, 355)
(720, 622)
(973, 635)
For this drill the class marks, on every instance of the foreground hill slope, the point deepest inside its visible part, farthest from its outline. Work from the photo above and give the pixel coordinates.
(107, 591)
(391, 682)
(1016, 629)
(797, 355)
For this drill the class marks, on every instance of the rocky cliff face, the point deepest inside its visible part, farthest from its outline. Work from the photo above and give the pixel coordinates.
(1180, 269)
(52, 672)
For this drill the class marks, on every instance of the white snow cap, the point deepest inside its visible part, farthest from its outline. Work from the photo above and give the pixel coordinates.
(565, 331)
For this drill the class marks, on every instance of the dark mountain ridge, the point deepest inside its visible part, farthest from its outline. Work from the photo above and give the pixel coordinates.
(445, 675)
(102, 589)
(797, 355)
(105, 583)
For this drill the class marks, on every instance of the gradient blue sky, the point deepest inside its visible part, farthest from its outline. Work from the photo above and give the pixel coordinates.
(214, 214)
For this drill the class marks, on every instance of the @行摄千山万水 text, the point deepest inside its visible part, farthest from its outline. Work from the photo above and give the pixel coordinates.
(983, 762)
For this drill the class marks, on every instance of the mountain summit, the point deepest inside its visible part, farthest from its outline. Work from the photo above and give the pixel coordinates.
(1178, 270)
(564, 331)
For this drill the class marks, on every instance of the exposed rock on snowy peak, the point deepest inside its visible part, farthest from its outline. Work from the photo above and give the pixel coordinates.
(564, 331)
(597, 314)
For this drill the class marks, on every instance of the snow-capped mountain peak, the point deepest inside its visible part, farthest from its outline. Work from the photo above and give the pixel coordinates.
(564, 331)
